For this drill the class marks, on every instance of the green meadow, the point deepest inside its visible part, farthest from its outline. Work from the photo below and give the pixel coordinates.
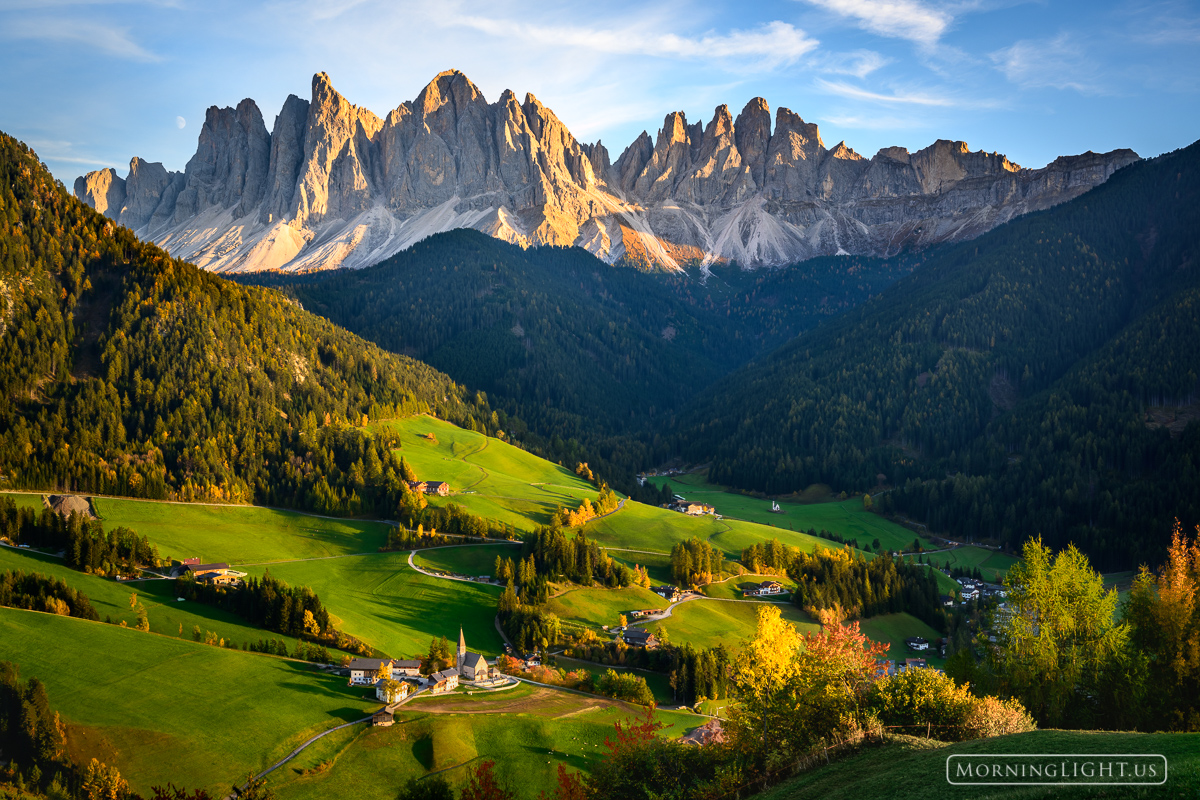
(394, 608)
(992, 564)
(908, 766)
(167, 616)
(595, 607)
(707, 623)
(846, 518)
(240, 534)
(527, 732)
(893, 629)
(161, 709)
(472, 560)
(488, 477)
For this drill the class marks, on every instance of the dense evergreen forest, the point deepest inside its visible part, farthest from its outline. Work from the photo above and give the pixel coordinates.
(1040, 378)
(128, 372)
(582, 354)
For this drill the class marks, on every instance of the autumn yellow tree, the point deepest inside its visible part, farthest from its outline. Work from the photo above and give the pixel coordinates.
(1058, 645)
(794, 690)
(1163, 610)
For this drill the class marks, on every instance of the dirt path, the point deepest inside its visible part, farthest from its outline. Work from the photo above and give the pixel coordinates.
(423, 571)
(667, 611)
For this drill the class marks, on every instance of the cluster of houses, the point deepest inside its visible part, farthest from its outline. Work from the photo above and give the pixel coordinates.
(764, 589)
(896, 667)
(394, 680)
(973, 588)
(440, 488)
(216, 574)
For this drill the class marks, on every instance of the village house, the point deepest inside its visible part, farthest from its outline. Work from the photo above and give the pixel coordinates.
(440, 488)
(444, 681)
(948, 600)
(418, 486)
(762, 589)
(200, 570)
(668, 593)
(383, 718)
(637, 637)
(692, 508)
(917, 643)
(647, 612)
(366, 671)
(391, 691)
(915, 663)
(406, 669)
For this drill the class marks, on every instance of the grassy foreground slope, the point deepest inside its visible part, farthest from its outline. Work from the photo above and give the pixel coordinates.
(527, 731)
(167, 710)
(908, 767)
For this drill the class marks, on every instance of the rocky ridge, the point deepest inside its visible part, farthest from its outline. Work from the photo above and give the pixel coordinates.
(333, 185)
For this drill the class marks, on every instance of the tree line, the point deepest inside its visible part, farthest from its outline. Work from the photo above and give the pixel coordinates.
(35, 592)
(83, 542)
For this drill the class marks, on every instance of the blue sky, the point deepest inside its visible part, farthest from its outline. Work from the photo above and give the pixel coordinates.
(89, 84)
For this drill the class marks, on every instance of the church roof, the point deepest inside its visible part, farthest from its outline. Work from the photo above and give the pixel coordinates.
(473, 660)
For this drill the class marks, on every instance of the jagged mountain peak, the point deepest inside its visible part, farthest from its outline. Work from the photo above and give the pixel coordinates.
(332, 184)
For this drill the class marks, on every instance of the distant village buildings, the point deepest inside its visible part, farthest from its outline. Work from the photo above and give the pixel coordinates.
(440, 488)
(764, 589)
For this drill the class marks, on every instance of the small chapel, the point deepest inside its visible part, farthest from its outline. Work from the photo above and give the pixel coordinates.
(471, 666)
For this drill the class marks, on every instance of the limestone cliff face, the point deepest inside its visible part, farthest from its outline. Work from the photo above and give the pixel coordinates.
(334, 185)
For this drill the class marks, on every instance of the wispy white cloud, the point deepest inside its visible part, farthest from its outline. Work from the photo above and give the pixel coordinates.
(859, 63)
(846, 90)
(107, 39)
(1059, 63)
(897, 19)
(874, 122)
(771, 44)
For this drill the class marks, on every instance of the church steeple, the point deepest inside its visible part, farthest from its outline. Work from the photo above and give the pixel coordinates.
(462, 650)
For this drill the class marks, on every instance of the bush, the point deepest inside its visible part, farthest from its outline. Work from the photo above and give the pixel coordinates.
(926, 697)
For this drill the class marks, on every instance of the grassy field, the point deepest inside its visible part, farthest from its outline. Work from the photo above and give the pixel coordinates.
(992, 565)
(846, 518)
(707, 623)
(394, 608)
(658, 567)
(240, 534)
(111, 600)
(527, 732)
(917, 767)
(164, 710)
(894, 629)
(473, 560)
(730, 590)
(24, 500)
(595, 607)
(489, 477)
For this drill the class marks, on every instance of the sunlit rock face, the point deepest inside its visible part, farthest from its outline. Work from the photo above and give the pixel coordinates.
(333, 185)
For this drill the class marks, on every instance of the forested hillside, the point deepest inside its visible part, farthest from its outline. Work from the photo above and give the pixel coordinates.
(1040, 379)
(584, 353)
(125, 371)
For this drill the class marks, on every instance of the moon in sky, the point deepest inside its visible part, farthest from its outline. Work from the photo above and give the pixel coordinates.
(180, 122)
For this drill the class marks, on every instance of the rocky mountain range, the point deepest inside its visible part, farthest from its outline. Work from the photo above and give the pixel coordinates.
(333, 185)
